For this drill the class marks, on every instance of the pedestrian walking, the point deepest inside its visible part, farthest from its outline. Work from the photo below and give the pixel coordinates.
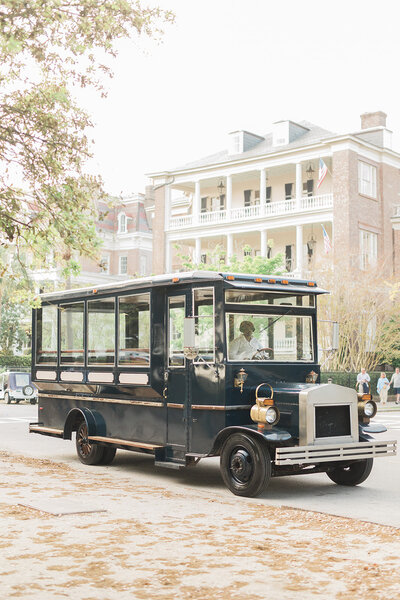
(363, 380)
(396, 384)
(382, 388)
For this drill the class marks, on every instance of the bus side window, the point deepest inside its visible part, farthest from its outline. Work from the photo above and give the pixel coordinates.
(46, 335)
(176, 315)
(134, 329)
(72, 316)
(203, 312)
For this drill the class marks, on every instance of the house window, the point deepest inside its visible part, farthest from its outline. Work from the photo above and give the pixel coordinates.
(122, 223)
(222, 202)
(257, 197)
(288, 258)
(366, 179)
(143, 265)
(247, 252)
(368, 249)
(123, 265)
(247, 197)
(203, 259)
(105, 264)
(204, 203)
(268, 190)
(308, 187)
(288, 191)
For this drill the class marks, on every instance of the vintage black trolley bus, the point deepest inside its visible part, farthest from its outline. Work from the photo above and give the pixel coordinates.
(200, 364)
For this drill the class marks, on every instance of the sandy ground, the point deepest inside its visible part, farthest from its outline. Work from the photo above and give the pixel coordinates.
(158, 544)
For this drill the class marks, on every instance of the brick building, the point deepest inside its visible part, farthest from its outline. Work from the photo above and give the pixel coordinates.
(261, 190)
(126, 250)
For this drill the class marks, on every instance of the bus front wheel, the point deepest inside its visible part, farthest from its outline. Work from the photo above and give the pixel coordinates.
(245, 465)
(88, 453)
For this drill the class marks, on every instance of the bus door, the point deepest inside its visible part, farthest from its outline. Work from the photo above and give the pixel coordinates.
(176, 376)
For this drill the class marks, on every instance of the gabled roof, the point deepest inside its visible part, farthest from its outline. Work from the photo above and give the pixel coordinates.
(314, 135)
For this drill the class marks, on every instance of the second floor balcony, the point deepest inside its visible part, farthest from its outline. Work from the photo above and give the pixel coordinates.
(293, 206)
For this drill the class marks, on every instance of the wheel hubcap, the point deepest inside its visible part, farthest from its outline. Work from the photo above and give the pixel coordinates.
(241, 466)
(83, 442)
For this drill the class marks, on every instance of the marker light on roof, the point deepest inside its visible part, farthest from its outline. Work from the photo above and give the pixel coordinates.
(284, 281)
(271, 280)
(175, 279)
(230, 277)
(94, 291)
(311, 283)
(258, 280)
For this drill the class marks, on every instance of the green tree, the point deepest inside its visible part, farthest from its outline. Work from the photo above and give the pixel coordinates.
(48, 48)
(258, 265)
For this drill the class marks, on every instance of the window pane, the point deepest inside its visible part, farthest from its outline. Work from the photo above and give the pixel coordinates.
(46, 335)
(176, 315)
(273, 298)
(72, 333)
(22, 379)
(101, 332)
(283, 338)
(134, 330)
(203, 310)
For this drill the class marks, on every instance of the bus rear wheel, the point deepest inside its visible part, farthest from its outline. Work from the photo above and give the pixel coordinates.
(352, 474)
(88, 453)
(245, 465)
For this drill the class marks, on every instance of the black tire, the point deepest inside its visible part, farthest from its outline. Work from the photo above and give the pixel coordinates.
(353, 474)
(108, 456)
(245, 465)
(88, 454)
(7, 398)
(33, 401)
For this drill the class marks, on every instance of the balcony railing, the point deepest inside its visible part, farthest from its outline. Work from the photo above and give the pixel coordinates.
(272, 209)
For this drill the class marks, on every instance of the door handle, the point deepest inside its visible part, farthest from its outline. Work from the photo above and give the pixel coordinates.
(165, 392)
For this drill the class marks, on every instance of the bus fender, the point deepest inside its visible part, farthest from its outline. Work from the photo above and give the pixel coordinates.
(94, 421)
(273, 437)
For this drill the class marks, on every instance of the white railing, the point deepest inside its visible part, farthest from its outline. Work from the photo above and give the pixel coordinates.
(216, 216)
(284, 207)
(285, 345)
(245, 212)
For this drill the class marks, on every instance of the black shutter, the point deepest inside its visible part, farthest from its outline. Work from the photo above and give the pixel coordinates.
(310, 187)
(222, 202)
(268, 194)
(204, 204)
(247, 197)
(288, 191)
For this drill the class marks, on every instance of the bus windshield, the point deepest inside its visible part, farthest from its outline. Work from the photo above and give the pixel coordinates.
(265, 337)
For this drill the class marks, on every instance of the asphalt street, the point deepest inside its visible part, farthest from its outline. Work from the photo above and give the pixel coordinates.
(374, 501)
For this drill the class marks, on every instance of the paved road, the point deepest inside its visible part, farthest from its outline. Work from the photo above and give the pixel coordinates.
(373, 501)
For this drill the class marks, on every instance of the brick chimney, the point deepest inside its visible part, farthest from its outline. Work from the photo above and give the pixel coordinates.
(373, 119)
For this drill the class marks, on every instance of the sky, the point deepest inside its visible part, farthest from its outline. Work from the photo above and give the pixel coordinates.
(242, 64)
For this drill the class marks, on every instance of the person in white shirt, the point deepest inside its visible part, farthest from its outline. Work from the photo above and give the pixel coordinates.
(362, 381)
(245, 346)
(396, 384)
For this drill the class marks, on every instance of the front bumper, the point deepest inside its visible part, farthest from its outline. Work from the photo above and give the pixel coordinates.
(295, 455)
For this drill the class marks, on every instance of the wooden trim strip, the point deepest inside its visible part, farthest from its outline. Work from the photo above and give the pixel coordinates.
(108, 400)
(46, 429)
(173, 405)
(213, 407)
(98, 438)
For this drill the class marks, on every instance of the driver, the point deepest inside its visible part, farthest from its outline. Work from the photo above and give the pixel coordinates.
(245, 346)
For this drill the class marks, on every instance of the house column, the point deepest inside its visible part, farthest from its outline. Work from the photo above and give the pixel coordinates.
(299, 250)
(299, 185)
(229, 245)
(167, 256)
(197, 251)
(263, 187)
(228, 196)
(167, 215)
(264, 243)
(196, 202)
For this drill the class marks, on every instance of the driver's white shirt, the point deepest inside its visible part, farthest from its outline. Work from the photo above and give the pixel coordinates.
(242, 349)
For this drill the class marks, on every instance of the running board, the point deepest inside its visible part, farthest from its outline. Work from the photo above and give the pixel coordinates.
(35, 428)
(170, 464)
(119, 442)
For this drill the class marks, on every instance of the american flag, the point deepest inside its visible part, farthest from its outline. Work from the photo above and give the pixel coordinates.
(323, 169)
(327, 241)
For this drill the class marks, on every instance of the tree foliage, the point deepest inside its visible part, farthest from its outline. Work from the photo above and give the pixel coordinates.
(258, 265)
(48, 47)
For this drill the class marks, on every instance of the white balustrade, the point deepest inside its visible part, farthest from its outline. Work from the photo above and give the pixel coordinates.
(284, 207)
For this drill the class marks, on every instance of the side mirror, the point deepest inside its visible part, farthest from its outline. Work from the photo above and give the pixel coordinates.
(335, 335)
(189, 338)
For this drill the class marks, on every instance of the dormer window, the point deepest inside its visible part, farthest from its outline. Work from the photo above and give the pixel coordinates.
(122, 221)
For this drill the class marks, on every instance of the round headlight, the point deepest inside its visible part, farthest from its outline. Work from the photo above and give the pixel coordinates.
(369, 409)
(271, 415)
